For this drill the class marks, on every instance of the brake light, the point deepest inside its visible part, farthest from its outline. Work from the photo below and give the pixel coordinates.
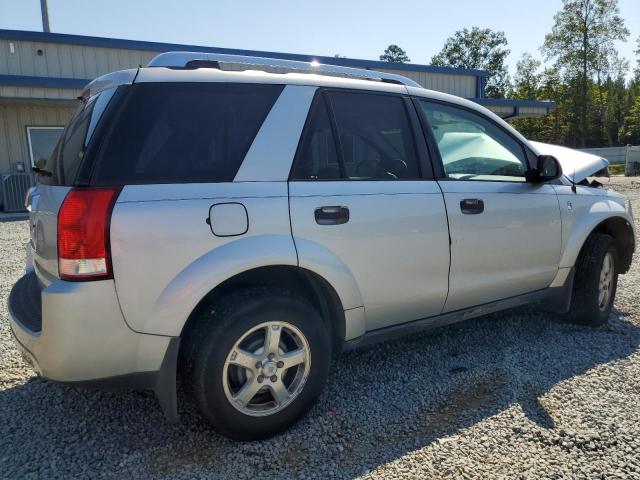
(27, 198)
(83, 234)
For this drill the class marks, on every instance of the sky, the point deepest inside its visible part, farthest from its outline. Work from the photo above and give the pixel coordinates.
(356, 29)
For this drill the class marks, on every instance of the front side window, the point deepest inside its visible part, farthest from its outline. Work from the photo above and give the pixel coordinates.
(357, 136)
(472, 147)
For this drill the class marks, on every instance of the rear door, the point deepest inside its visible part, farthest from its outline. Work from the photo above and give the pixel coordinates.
(362, 197)
(505, 232)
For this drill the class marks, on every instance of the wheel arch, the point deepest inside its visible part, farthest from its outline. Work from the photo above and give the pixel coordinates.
(306, 283)
(623, 238)
(618, 227)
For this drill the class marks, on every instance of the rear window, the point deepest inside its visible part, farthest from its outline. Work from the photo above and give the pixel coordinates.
(181, 132)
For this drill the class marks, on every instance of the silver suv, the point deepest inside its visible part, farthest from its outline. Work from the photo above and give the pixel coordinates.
(234, 228)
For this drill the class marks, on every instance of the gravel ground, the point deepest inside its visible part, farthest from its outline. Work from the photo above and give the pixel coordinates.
(514, 395)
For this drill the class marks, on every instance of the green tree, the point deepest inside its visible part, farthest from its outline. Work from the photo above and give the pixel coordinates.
(637, 52)
(394, 54)
(582, 44)
(611, 100)
(527, 80)
(630, 131)
(533, 84)
(479, 49)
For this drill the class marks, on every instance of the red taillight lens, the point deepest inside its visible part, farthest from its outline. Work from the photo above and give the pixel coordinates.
(83, 233)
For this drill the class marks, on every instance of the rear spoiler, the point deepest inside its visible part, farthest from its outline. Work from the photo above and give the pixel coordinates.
(110, 80)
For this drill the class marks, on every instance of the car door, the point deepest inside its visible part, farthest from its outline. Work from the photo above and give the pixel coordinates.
(505, 232)
(363, 200)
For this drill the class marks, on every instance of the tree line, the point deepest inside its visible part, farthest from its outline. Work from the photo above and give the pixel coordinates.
(596, 91)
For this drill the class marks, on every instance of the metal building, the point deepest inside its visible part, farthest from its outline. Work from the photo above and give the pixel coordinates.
(42, 73)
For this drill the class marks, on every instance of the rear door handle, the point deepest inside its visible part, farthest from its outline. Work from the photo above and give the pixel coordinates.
(331, 215)
(471, 206)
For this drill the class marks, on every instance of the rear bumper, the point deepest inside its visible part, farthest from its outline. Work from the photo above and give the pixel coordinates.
(78, 334)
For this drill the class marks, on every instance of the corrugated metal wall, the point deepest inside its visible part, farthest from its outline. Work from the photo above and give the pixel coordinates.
(39, 93)
(76, 61)
(460, 85)
(66, 61)
(15, 117)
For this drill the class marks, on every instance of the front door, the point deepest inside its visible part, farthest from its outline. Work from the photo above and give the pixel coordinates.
(505, 233)
(362, 201)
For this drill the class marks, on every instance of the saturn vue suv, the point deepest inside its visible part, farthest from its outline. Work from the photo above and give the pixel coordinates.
(234, 222)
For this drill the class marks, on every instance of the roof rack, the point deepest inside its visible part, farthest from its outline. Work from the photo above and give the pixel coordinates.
(192, 60)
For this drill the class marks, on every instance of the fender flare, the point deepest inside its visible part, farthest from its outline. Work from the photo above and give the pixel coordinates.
(179, 299)
(584, 226)
(181, 296)
(322, 261)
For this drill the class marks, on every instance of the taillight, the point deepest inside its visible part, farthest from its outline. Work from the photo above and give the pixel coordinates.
(27, 198)
(83, 234)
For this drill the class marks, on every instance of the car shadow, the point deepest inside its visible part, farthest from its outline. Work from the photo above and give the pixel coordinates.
(379, 405)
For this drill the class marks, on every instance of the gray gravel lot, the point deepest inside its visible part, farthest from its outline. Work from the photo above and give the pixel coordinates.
(512, 395)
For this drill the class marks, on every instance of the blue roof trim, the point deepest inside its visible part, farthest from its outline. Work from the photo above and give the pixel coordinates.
(507, 102)
(43, 82)
(45, 37)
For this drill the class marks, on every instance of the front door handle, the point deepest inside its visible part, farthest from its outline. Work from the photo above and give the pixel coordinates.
(331, 215)
(471, 206)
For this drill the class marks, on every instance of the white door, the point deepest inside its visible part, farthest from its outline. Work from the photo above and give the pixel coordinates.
(505, 233)
(362, 199)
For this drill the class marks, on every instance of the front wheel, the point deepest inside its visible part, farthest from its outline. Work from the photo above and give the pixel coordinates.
(259, 362)
(596, 281)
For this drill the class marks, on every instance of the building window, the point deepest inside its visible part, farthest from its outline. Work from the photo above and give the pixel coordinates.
(42, 141)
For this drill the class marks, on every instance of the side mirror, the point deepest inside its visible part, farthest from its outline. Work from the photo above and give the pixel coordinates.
(548, 169)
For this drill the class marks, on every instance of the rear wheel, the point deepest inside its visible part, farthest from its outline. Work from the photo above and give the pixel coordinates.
(596, 281)
(259, 360)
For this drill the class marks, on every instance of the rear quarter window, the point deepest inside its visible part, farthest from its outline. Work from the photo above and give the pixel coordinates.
(181, 132)
(64, 162)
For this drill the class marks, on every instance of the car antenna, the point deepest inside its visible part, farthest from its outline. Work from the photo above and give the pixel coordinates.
(573, 181)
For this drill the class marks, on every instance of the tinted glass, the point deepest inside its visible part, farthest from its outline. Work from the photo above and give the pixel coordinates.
(65, 160)
(73, 148)
(474, 148)
(42, 141)
(181, 132)
(375, 136)
(317, 158)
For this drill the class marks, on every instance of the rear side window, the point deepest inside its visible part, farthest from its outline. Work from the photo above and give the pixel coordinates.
(317, 157)
(181, 132)
(371, 135)
(65, 160)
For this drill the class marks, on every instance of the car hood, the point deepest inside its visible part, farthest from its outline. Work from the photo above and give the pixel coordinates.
(576, 165)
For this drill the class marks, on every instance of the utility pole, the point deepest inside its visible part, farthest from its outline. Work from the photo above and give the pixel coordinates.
(45, 16)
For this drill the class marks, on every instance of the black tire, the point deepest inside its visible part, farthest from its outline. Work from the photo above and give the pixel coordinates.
(215, 334)
(585, 307)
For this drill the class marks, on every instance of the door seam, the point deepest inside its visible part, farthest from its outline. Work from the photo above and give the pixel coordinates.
(446, 213)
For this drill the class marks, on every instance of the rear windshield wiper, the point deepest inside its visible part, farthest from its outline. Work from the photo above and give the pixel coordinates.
(40, 171)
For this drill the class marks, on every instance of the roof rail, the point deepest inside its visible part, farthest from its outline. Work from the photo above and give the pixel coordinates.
(203, 59)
